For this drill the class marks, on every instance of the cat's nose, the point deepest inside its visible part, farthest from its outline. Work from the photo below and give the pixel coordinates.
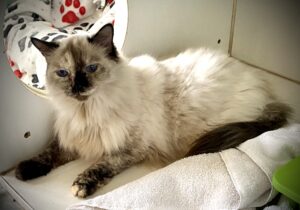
(77, 88)
(81, 83)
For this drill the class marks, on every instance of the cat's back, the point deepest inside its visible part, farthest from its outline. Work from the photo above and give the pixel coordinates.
(212, 89)
(201, 63)
(205, 81)
(200, 89)
(208, 70)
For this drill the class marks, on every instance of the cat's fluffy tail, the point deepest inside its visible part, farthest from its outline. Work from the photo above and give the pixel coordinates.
(274, 116)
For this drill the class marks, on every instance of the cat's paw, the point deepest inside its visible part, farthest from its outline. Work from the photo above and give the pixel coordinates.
(30, 169)
(83, 187)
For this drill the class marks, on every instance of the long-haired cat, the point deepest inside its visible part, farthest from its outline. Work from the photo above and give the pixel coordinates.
(118, 112)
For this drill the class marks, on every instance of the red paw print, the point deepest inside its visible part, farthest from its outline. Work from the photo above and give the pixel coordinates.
(70, 16)
(11, 62)
(18, 73)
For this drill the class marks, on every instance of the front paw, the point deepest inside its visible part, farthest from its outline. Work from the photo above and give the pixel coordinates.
(83, 187)
(30, 169)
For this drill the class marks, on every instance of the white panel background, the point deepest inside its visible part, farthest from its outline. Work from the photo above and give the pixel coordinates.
(267, 34)
(20, 111)
(166, 27)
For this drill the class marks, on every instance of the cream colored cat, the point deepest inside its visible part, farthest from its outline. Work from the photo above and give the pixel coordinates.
(119, 112)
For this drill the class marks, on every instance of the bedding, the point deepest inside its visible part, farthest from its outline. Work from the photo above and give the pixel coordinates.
(236, 178)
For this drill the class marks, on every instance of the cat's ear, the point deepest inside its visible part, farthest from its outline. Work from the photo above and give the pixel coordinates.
(104, 38)
(46, 48)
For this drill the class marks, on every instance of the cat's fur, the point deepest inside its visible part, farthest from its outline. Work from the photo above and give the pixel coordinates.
(142, 109)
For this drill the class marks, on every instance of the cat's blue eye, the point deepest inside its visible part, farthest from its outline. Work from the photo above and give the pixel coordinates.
(91, 68)
(62, 72)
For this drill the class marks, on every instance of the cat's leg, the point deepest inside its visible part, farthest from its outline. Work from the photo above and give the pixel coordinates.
(52, 157)
(103, 171)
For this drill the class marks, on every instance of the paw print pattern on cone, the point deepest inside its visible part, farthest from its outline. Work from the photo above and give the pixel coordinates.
(69, 15)
(69, 12)
(18, 73)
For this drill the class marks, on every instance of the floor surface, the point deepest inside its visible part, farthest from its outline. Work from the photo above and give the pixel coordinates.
(7, 202)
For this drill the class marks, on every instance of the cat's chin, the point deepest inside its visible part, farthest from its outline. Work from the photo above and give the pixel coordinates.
(84, 96)
(81, 97)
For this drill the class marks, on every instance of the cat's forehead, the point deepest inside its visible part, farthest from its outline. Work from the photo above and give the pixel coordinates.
(78, 49)
(74, 47)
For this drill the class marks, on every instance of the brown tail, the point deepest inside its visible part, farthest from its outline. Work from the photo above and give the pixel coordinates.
(274, 116)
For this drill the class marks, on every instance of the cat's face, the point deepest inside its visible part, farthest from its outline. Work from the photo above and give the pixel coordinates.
(78, 65)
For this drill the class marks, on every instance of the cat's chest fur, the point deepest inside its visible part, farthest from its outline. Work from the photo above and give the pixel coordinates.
(86, 130)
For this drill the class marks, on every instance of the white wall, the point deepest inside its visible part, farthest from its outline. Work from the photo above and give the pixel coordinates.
(165, 27)
(266, 34)
(20, 111)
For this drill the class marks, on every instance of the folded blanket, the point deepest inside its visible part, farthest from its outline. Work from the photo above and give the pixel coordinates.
(48, 20)
(232, 179)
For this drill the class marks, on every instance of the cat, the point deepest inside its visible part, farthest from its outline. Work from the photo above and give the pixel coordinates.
(119, 112)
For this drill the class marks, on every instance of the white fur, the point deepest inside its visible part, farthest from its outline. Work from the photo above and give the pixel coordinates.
(169, 103)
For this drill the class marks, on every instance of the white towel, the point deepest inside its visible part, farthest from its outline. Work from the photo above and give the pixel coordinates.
(232, 179)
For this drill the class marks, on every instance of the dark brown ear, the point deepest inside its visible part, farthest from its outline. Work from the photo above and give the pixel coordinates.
(46, 48)
(104, 38)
